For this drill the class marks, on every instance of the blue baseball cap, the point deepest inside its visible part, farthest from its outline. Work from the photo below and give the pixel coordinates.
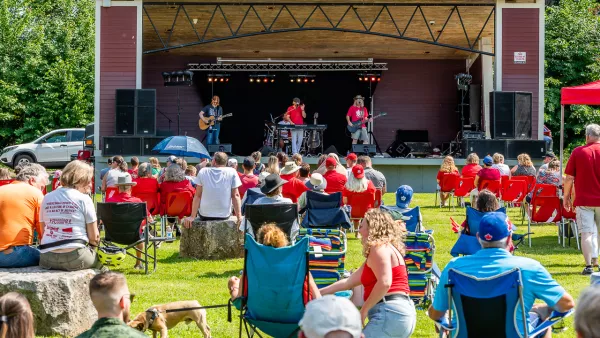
(488, 160)
(494, 226)
(404, 195)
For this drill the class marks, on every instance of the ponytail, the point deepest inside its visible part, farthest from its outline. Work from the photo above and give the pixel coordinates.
(3, 326)
(122, 165)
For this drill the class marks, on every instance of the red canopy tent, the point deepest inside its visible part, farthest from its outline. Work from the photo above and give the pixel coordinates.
(586, 94)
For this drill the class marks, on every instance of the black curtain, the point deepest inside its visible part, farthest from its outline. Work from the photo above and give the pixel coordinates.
(252, 103)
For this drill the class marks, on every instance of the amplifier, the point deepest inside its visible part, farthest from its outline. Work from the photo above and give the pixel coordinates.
(473, 135)
(223, 147)
(420, 148)
(150, 142)
(536, 149)
(364, 149)
(484, 147)
(118, 145)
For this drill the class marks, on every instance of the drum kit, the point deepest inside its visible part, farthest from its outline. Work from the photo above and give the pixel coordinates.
(311, 142)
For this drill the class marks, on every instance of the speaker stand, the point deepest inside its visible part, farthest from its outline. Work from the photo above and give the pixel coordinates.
(178, 113)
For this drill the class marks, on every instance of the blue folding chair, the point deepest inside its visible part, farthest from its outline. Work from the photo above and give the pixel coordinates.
(275, 288)
(252, 195)
(467, 243)
(324, 211)
(501, 296)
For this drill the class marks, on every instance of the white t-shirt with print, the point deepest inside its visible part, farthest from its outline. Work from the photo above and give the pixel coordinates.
(65, 213)
(217, 183)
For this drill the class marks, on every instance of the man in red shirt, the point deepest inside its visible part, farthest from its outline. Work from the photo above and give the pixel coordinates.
(472, 167)
(358, 112)
(583, 168)
(294, 186)
(249, 180)
(295, 114)
(335, 180)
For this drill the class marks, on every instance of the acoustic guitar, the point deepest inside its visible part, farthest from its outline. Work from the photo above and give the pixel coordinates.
(357, 125)
(211, 121)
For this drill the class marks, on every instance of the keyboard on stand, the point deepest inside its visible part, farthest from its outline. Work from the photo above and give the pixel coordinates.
(319, 127)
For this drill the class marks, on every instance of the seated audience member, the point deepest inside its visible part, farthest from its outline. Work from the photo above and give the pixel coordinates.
(297, 158)
(549, 176)
(447, 167)
(118, 168)
(258, 166)
(472, 167)
(587, 314)
(216, 192)
(499, 164)
(384, 277)
(271, 168)
(282, 159)
(335, 180)
(135, 162)
(330, 317)
(190, 174)
(16, 317)
(125, 184)
(270, 235)
(156, 169)
(294, 187)
(146, 183)
(321, 161)
(5, 174)
(357, 184)
(549, 157)
(338, 166)
(112, 299)
(232, 163)
(20, 203)
(350, 162)
(524, 167)
(174, 181)
(248, 179)
(170, 161)
(304, 175)
(487, 172)
(272, 187)
(486, 202)
(69, 220)
(373, 175)
(494, 259)
(404, 195)
(317, 184)
(105, 170)
(202, 164)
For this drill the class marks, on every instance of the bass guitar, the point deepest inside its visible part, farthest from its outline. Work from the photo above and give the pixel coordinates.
(211, 121)
(357, 125)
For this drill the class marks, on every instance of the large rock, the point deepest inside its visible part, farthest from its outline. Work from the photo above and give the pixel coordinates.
(60, 300)
(212, 240)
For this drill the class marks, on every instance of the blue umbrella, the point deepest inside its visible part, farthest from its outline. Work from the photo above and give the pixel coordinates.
(182, 146)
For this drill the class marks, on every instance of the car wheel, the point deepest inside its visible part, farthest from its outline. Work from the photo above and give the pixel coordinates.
(22, 160)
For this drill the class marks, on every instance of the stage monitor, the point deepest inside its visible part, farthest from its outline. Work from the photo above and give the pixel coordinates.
(223, 147)
(364, 149)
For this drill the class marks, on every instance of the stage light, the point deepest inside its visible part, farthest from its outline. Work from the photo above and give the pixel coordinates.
(251, 80)
(305, 80)
(373, 79)
(359, 78)
(312, 80)
(266, 80)
(222, 80)
(210, 79)
(298, 80)
(378, 79)
(227, 80)
(272, 80)
(292, 80)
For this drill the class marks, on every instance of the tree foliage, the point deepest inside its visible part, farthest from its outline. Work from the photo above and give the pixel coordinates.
(46, 67)
(572, 58)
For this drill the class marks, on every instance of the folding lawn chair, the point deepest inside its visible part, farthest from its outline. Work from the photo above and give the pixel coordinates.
(360, 203)
(463, 188)
(152, 201)
(545, 210)
(491, 185)
(467, 243)
(411, 218)
(274, 288)
(513, 191)
(178, 205)
(122, 225)
(502, 298)
(324, 211)
(327, 254)
(448, 184)
(284, 215)
(569, 218)
(252, 195)
(420, 249)
(109, 192)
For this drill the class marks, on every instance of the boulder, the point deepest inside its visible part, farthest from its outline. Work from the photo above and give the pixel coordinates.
(212, 240)
(60, 300)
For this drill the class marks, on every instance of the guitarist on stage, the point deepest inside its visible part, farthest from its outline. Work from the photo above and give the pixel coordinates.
(358, 112)
(213, 109)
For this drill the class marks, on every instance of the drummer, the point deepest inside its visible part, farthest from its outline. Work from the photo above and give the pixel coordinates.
(284, 135)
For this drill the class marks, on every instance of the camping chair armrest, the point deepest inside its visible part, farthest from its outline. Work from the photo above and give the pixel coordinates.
(445, 324)
(554, 318)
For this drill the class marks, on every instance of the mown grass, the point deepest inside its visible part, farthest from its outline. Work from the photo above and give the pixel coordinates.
(206, 281)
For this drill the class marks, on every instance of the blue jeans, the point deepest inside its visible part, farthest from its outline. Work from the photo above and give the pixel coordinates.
(21, 256)
(213, 134)
(395, 318)
(548, 141)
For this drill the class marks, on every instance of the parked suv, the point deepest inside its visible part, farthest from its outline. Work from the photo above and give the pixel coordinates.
(52, 149)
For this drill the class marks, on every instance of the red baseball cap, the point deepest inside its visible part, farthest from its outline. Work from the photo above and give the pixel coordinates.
(352, 157)
(330, 162)
(358, 171)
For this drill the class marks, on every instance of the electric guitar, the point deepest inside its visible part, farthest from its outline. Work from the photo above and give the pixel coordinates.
(211, 121)
(357, 125)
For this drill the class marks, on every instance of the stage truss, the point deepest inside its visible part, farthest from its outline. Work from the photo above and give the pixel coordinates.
(384, 10)
(287, 67)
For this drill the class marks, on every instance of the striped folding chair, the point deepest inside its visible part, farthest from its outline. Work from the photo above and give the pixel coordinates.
(420, 249)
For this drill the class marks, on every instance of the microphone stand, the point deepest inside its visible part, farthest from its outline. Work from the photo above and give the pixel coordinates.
(163, 114)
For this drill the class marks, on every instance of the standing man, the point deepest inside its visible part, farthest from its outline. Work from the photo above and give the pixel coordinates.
(583, 168)
(213, 109)
(295, 114)
(373, 175)
(358, 112)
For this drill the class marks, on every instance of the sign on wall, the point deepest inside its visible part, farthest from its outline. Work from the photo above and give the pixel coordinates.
(520, 57)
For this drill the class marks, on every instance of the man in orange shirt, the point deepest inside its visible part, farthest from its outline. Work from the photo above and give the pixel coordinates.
(20, 204)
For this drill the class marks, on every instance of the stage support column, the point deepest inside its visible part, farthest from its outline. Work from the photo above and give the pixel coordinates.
(519, 50)
(487, 85)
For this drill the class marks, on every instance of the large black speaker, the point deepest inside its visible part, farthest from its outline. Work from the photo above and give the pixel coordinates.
(483, 147)
(118, 145)
(510, 115)
(135, 112)
(148, 143)
(536, 149)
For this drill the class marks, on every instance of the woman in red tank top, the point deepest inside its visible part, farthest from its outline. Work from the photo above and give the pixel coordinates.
(384, 278)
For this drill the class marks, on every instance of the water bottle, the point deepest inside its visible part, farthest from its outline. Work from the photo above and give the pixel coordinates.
(169, 232)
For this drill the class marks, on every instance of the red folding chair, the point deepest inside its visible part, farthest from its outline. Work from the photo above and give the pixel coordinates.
(530, 180)
(56, 183)
(504, 178)
(513, 191)
(378, 196)
(5, 182)
(448, 184)
(463, 188)
(569, 217)
(360, 204)
(179, 204)
(545, 190)
(146, 189)
(545, 210)
(152, 201)
(110, 191)
(491, 185)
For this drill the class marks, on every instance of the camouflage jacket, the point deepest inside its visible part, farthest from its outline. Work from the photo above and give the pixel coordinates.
(111, 327)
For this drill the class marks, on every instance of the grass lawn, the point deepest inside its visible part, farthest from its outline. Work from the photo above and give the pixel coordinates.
(205, 281)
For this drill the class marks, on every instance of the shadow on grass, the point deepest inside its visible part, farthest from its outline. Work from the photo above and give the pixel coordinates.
(174, 258)
(224, 274)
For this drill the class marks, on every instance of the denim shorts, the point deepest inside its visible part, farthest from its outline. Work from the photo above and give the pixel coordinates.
(394, 318)
(20, 257)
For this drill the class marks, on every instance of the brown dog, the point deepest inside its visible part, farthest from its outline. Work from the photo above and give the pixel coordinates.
(157, 319)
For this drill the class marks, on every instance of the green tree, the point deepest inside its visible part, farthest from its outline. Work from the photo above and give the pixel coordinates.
(572, 58)
(46, 67)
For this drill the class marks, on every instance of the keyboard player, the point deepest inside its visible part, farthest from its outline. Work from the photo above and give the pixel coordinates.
(296, 114)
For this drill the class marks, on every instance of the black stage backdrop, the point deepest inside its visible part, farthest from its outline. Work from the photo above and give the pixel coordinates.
(252, 103)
